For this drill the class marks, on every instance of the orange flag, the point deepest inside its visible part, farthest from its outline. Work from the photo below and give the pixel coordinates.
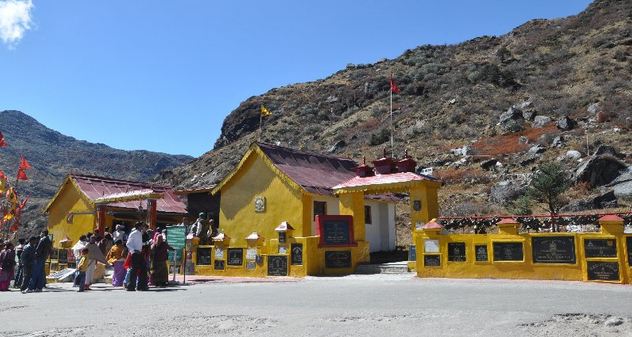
(24, 165)
(2, 142)
(394, 87)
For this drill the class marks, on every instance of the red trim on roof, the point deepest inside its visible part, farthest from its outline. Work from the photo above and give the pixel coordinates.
(95, 187)
(507, 221)
(611, 218)
(382, 179)
(432, 225)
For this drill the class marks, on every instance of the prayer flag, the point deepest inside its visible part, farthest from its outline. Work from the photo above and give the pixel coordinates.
(2, 142)
(22, 175)
(394, 88)
(264, 111)
(24, 165)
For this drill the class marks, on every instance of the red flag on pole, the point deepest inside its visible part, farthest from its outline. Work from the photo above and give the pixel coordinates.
(2, 142)
(394, 88)
(22, 175)
(24, 165)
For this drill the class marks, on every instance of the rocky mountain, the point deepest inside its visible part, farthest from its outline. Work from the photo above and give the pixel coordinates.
(483, 114)
(53, 155)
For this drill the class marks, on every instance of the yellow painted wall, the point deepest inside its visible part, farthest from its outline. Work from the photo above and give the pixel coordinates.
(237, 210)
(69, 200)
(525, 269)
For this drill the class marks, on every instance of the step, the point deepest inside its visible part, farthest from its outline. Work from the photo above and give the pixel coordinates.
(383, 268)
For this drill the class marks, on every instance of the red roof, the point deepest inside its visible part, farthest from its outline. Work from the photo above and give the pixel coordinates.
(432, 225)
(95, 187)
(611, 218)
(315, 172)
(382, 179)
(507, 221)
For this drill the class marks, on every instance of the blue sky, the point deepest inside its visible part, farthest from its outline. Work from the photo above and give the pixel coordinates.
(162, 75)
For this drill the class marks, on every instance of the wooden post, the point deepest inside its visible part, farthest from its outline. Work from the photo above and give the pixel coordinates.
(100, 219)
(152, 214)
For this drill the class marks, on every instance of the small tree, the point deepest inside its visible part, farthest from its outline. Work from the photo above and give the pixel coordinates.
(547, 186)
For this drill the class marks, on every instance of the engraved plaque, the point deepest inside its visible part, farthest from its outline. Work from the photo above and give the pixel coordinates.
(338, 259)
(219, 265)
(481, 253)
(508, 251)
(431, 246)
(553, 249)
(456, 251)
(433, 260)
(600, 247)
(235, 256)
(603, 271)
(204, 256)
(628, 241)
(297, 253)
(277, 265)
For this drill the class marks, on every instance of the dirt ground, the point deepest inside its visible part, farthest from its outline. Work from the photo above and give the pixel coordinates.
(357, 305)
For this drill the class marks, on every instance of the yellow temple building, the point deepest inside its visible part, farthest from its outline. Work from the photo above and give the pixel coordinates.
(290, 212)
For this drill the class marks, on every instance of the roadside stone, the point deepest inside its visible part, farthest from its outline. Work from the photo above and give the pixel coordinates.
(541, 121)
(613, 321)
(566, 124)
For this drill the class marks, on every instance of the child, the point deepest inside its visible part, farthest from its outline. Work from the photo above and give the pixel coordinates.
(82, 267)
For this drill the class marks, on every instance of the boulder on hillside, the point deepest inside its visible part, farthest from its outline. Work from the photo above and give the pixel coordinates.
(557, 141)
(566, 124)
(507, 191)
(541, 121)
(336, 147)
(622, 186)
(607, 200)
(489, 164)
(599, 170)
(594, 108)
(608, 150)
(511, 120)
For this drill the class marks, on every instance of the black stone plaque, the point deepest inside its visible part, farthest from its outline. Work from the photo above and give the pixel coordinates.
(219, 265)
(338, 259)
(603, 271)
(235, 256)
(600, 247)
(63, 256)
(628, 242)
(277, 265)
(204, 256)
(456, 252)
(282, 237)
(297, 253)
(553, 249)
(412, 253)
(481, 253)
(432, 260)
(508, 251)
(336, 232)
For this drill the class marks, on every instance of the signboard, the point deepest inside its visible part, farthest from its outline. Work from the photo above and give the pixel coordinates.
(553, 249)
(600, 247)
(335, 230)
(432, 260)
(603, 271)
(282, 237)
(176, 238)
(628, 242)
(251, 253)
(338, 259)
(297, 253)
(508, 251)
(235, 256)
(456, 251)
(481, 253)
(203, 256)
(219, 253)
(412, 253)
(218, 265)
(431, 246)
(277, 265)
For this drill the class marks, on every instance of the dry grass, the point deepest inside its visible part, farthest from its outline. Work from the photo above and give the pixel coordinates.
(508, 144)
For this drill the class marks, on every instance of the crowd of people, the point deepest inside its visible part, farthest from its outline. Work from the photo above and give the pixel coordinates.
(137, 259)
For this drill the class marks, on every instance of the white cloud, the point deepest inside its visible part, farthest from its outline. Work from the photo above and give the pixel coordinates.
(15, 20)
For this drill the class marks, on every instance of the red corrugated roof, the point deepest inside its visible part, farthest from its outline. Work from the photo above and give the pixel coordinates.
(611, 218)
(382, 179)
(95, 187)
(315, 172)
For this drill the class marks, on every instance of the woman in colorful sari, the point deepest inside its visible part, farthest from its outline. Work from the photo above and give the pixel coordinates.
(116, 258)
(159, 256)
(7, 266)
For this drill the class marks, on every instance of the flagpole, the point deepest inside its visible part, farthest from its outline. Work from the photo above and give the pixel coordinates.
(260, 125)
(392, 130)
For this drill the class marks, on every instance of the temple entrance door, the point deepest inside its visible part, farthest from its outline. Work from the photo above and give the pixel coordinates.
(380, 226)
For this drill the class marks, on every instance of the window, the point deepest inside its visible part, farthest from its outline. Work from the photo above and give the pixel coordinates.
(367, 215)
(320, 208)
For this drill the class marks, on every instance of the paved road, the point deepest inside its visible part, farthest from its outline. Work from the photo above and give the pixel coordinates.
(373, 305)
